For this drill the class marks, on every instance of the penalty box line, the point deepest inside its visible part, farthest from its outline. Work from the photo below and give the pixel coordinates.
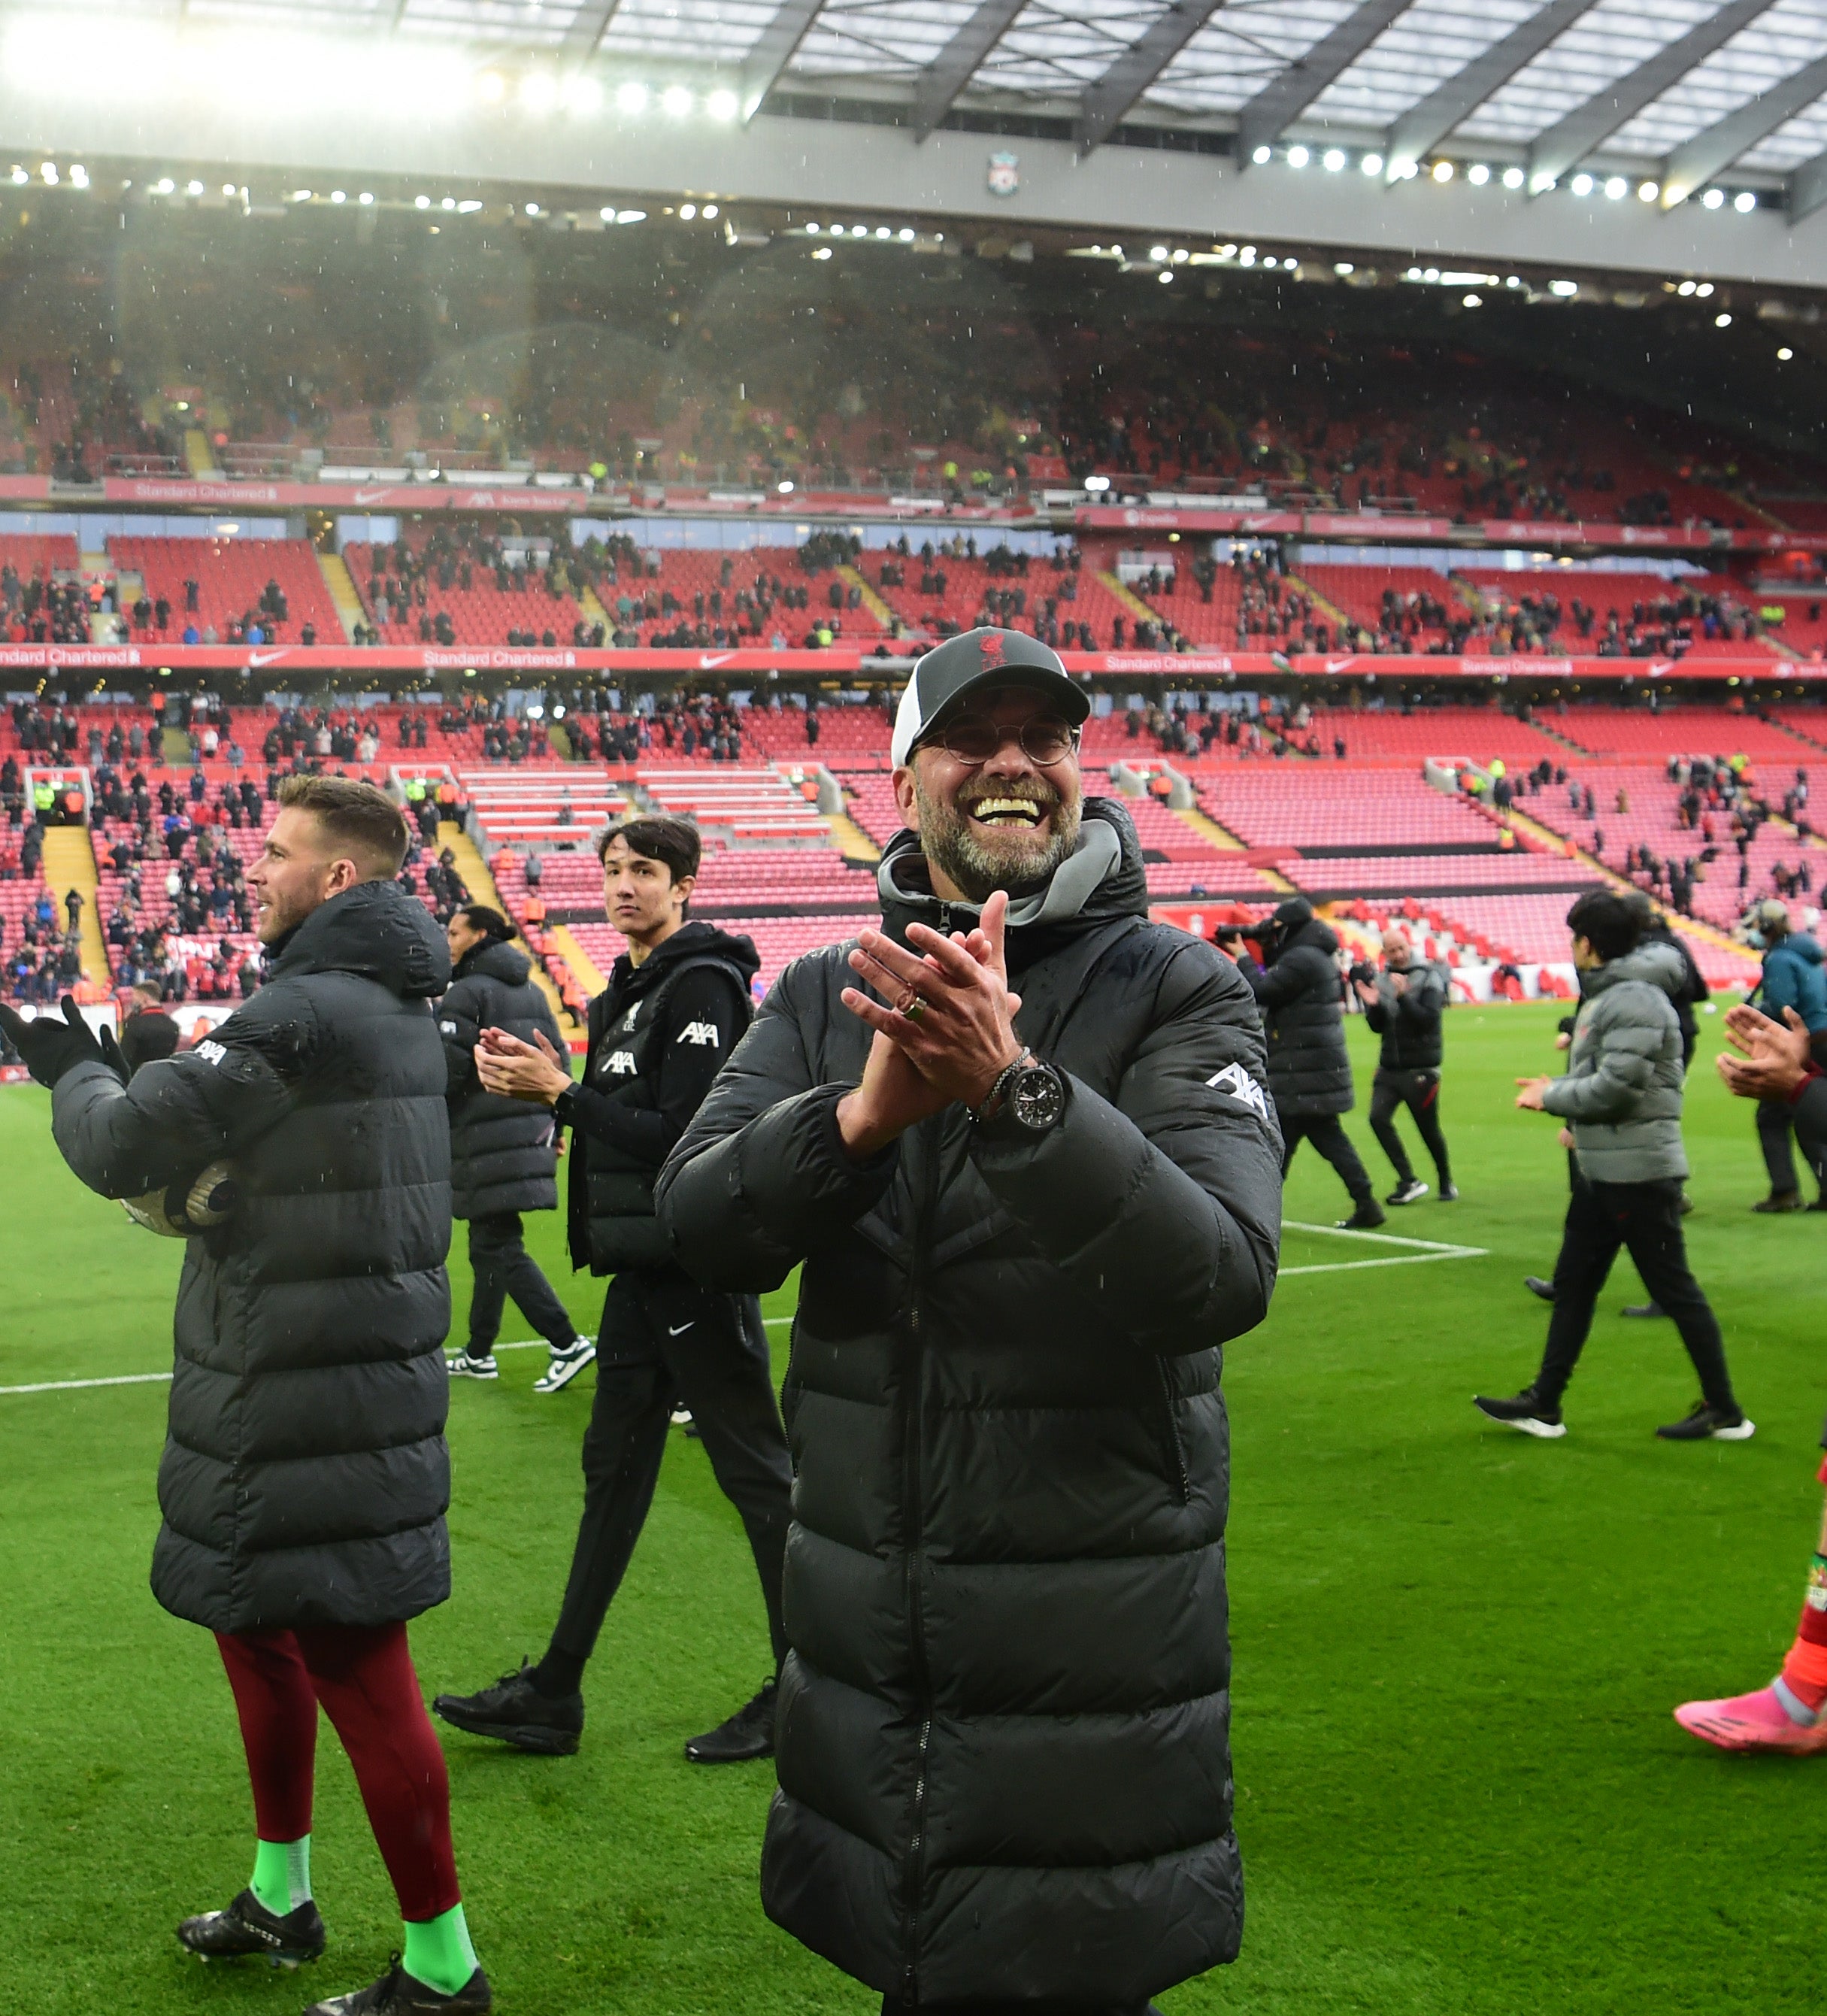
(1427, 1249)
(163, 1378)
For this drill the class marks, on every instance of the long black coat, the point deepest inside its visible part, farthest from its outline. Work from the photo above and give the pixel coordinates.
(501, 1155)
(1310, 1069)
(305, 1476)
(1003, 1726)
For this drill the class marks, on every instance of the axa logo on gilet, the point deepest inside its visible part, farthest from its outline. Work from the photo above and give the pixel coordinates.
(700, 1032)
(618, 1063)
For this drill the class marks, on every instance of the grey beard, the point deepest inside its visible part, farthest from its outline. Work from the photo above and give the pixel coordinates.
(949, 845)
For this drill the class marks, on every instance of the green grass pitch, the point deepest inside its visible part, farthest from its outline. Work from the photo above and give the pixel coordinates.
(1459, 1788)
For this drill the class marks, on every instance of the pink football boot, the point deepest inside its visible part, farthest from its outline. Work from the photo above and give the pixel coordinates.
(1751, 1722)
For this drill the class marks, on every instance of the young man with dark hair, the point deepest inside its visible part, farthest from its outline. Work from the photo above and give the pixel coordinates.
(304, 1146)
(1621, 1098)
(677, 1003)
(503, 1160)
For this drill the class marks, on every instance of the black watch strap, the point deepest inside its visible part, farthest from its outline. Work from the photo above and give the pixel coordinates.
(564, 1106)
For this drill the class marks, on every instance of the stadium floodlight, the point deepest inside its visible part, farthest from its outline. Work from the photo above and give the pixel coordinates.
(812, 230)
(1703, 291)
(339, 196)
(79, 176)
(1616, 187)
(1431, 276)
(1344, 269)
(1443, 171)
(1180, 255)
(630, 216)
(1478, 175)
(905, 234)
(1371, 164)
(1332, 160)
(785, 486)
(450, 203)
(1402, 172)
(366, 198)
(20, 178)
(1581, 185)
(1158, 253)
(1712, 199)
(884, 231)
(190, 188)
(1686, 288)
(722, 105)
(298, 196)
(1563, 290)
(859, 231)
(165, 186)
(531, 209)
(1648, 192)
(227, 188)
(422, 203)
(709, 210)
(49, 170)
(675, 101)
(1262, 156)
(1784, 354)
(1744, 203)
(1513, 178)
(631, 98)
(1097, 485)
(1722, 321)
(687, 211)
(538, 92)
(1298, 157)
(469, 206)
(1166, 279)
(1472, 302)
(823, 252)
(1271, 263)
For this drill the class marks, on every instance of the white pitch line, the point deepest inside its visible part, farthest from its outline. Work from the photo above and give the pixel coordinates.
(157, 1378)
(1428, 1249)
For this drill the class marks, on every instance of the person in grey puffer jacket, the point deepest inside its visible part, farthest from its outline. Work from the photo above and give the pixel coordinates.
(1621, 1097)
(503, 1155)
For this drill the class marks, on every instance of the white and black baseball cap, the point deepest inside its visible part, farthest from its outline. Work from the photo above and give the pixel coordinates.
(968, 664)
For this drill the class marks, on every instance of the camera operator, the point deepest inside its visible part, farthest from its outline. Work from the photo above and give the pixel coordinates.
(1297, 992)
(1405, 1005)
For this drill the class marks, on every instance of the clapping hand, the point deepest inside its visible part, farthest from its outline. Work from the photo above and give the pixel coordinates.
(947, 1031)
(1529, 1096)
(514, 1069)
(1776, 1056)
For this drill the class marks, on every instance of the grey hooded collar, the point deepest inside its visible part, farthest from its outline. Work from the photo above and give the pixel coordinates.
(1072, 886)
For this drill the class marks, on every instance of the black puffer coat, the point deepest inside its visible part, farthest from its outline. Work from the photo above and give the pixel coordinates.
(1004, 1726)
(1310, 1072)
(1409, 1021)
(501, 1157)
(304, 1476)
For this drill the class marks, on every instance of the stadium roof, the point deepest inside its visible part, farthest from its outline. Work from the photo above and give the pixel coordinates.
(1685, 89)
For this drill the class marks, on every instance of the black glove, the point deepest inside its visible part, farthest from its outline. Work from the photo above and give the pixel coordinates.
(50, 1048)
(111, 1055)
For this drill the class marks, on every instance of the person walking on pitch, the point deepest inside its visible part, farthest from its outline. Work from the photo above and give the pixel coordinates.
(503, 1158)
(303, 1148)
(1405, 1007)
(676, 1001)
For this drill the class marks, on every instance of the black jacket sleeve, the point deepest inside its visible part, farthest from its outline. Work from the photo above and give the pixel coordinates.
(1164, 1205)
(1296, 972)
(180, 1112)
(687, 1068)
(761, 1176)
(1810, 1109)
(462, 1017)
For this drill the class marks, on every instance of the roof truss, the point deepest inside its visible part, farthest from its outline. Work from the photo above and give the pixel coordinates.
(1102, 108)
(774, 50)
(1697, 161)
(1282, 100)
(957, 63)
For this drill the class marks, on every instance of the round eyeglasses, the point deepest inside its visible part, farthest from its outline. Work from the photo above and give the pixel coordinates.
(974, 738)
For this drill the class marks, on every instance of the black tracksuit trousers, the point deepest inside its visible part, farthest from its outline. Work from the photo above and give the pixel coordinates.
(1326, 1133)
(503, 1267)
(665, 1341)
(1418, 1091)
(1645, 1219)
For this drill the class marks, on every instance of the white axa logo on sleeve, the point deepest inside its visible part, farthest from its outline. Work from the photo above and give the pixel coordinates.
(447, 1029)
(212, 1053)
(1237, 1082)
(700, 1033)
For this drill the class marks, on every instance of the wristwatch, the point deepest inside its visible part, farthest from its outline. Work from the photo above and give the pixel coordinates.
(1032, 1094)
(563, 1107)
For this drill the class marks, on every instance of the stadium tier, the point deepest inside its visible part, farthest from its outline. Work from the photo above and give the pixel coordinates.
(1301, 805)
(275, 583)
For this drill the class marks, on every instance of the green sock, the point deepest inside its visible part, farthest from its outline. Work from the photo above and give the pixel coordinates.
(438, 1951)
(282, 1875)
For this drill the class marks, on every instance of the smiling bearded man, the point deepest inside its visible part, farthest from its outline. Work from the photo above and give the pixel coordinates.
(1028, 1219)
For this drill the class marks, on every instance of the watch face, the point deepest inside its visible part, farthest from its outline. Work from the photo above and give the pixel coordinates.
(1037, 1099)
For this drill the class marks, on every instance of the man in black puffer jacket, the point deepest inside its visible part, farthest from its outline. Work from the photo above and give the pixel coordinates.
(1029, 1221)
(1310, 1069)
(1405, 1005)
(305, 1476)
(502, 1154)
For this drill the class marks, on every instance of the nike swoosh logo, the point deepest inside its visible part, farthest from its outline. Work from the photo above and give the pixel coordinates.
(681, 1330)
(255, 659)
(709, 661)
(372, 496)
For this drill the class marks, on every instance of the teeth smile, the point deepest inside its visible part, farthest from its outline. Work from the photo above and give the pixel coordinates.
(997, 811)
